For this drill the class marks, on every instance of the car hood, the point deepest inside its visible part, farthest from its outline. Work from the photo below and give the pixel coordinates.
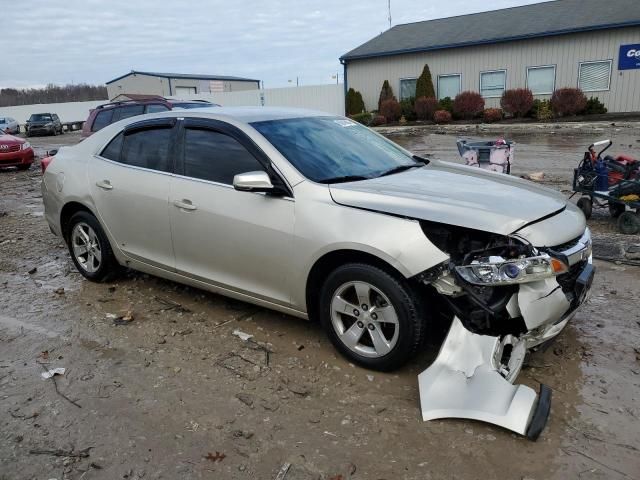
(10, 140)
(455, 195)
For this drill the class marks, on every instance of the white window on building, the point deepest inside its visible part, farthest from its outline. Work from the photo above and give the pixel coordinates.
(493, 83)
(594, 76)
(407, 88)
(541, 80)
(185, 90)
(449, 85)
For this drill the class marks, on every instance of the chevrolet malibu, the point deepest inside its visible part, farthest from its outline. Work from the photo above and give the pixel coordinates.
(320, 217)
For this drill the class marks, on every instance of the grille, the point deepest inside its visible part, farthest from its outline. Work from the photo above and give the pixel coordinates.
(566, 246)
(568, 280)
(11, 149)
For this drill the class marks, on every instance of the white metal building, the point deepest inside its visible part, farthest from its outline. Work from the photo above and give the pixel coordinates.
(176, 84)
(590, 44)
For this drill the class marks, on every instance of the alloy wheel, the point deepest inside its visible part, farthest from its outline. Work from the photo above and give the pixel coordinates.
(364, 319)
(86, 247)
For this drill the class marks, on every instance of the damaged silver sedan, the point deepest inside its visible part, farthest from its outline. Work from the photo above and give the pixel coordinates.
(321, 218)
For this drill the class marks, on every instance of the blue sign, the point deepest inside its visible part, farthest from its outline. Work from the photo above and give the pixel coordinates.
(629, 57)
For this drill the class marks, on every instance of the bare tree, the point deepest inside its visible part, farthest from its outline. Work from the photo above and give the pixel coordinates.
(52, 94)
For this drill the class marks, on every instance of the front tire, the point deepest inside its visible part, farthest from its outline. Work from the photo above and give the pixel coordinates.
(372, 317)
(90, 249)
(24, 166)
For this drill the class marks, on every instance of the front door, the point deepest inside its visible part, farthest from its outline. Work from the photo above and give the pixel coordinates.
(236, 240)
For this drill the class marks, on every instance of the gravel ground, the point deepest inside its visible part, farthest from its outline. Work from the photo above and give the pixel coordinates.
(174, 393)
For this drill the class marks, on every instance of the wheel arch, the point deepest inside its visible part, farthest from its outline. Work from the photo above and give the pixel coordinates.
(67, 211)
(332, 260)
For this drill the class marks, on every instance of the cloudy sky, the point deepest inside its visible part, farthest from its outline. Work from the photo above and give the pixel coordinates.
(93, 41)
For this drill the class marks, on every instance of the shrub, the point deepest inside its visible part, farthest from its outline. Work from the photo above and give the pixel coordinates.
(446, 104)
(386, 93)
(391, 110)
(441, 116)
(568, 101)
(541, 110)
(424, 84)
(468, 105)
(364, 118)
(378, 120)
(517, 102)
(491, 115)
(406, 107)
(354, 103)
(594, 106)
(425, 107)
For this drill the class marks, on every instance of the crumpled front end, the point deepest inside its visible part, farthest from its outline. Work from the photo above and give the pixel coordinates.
(506, 297)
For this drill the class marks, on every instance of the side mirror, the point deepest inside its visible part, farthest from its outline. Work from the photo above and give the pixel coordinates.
(52, 152)
(253, 182)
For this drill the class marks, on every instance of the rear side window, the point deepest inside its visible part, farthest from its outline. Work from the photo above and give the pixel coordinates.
(214, 156)
(129, 111)
(102, 119)
(112, 150)
(156, 107)
(148, 148)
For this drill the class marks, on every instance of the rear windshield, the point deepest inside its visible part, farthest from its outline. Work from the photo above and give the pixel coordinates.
(41, 117)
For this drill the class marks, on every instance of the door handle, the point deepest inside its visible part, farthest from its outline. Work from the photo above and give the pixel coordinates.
(105, 185)
(185, 204)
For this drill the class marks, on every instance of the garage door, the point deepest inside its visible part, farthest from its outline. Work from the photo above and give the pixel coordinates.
(185, 90)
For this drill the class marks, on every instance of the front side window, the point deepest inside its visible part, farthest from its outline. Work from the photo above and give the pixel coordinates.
(492, 84)
(541, 80)
(148, 148)
(129, 111)
(334, 149)
(215, 156)
(102, 119)
(449, 85)
(407, 88)
(594, 76)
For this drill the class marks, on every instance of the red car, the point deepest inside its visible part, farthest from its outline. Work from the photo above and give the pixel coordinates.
(15, 152)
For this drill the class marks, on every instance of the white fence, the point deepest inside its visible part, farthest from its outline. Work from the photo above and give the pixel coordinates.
(68, 112)
(327, 98)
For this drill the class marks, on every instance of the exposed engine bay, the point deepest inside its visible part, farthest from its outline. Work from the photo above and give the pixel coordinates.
(505, 296)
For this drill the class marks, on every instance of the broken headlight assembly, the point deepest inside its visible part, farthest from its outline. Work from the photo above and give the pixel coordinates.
(495, 270)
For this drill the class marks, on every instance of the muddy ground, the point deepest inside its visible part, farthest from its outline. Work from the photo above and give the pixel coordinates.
(174, 394)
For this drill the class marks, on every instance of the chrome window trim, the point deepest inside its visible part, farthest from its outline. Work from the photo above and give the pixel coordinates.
(134, 167)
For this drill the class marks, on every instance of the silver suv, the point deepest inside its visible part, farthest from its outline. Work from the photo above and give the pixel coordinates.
(322, 218)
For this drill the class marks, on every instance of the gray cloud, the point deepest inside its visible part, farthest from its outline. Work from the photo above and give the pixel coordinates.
(94, 41)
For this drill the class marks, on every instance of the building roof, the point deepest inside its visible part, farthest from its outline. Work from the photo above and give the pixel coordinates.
(517, 23)
(184, 75)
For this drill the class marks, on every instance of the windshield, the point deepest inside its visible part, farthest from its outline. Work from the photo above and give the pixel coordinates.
(334, 149)
(40, 117)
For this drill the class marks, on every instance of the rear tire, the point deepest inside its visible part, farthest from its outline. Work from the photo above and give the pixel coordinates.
(24, 166)
(586, 205)
(90, 249)
(629, 223)
(372, 317)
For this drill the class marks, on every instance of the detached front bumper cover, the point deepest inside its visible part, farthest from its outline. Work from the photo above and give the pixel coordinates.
(472, 377)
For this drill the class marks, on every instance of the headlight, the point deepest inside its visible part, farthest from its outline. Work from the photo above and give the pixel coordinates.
(498, 271)
(25, 145)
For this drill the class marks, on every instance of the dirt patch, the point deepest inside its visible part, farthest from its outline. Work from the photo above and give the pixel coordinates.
(174, 393)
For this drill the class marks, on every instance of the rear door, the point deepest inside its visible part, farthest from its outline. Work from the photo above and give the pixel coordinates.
(236, 240)
(129, 183)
